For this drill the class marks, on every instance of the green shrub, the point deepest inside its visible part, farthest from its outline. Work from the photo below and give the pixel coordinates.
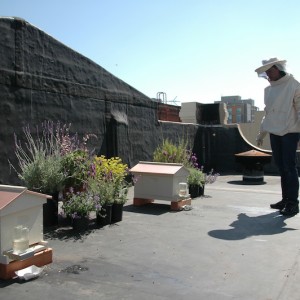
(170, 152)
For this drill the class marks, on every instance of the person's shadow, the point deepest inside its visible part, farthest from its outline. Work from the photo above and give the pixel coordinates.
(246, 226)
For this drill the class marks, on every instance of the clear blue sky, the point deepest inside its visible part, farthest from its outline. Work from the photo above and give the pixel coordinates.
(192, 50)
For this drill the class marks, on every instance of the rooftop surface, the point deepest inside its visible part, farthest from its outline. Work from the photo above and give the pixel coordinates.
(230, 245)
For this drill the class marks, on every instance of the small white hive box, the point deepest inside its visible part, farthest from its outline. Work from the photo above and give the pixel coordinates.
(158, 181)
(20, 207)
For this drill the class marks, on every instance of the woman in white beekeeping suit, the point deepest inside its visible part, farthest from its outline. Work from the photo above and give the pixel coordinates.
(282, 122)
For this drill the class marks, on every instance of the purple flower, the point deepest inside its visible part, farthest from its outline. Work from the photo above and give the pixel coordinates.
(97, 206)
(194, 158)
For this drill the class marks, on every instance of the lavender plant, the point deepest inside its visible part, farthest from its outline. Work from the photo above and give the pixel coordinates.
(170, 152)
(79, 204)
(42, 157)
(39, 161)
(196, 177)
(211, 177)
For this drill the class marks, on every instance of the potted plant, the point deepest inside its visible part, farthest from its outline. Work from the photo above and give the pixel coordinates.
(51, 160)
(195, 180)
(103, 193)
(78, 206)
(118, 204)
(209, 178)
(77, 167)
(111, 187)
(40, 168)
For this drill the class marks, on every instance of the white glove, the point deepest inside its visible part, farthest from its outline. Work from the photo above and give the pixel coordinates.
(260, 138)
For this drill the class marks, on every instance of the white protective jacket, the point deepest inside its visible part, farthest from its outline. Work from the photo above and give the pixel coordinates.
(282, 107)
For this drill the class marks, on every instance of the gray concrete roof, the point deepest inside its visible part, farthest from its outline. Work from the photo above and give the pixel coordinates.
(231, 245)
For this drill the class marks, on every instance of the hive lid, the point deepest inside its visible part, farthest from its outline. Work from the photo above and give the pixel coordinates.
(8, 193)
(157, 168)
(253, 153)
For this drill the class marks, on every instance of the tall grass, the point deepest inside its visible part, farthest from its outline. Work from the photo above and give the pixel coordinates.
(170, 152)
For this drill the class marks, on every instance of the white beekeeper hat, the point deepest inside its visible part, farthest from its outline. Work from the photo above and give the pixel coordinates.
(269, 63)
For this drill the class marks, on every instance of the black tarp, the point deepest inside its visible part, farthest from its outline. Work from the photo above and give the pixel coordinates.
(42, 79)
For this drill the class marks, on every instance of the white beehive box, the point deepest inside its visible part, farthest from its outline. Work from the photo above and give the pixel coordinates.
(19, 206)
(158, 181)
